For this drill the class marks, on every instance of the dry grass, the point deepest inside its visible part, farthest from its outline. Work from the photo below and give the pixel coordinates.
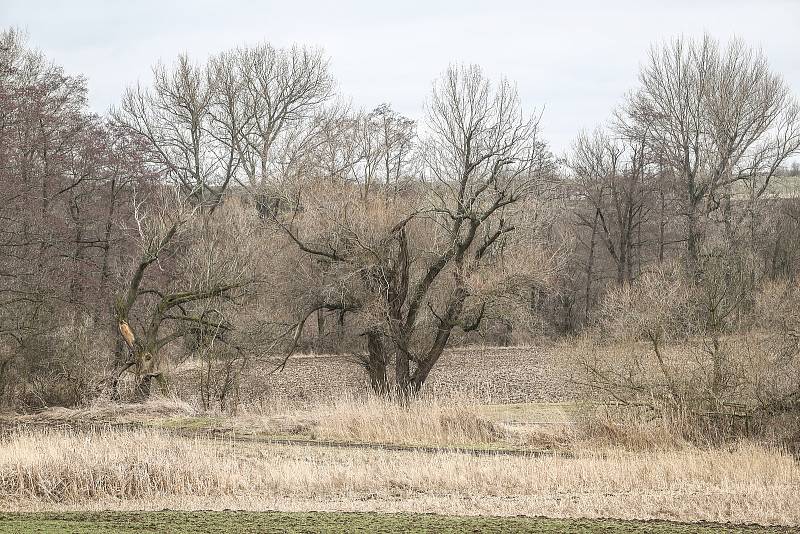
(431, 421)
(426, 421)
(624, 465)
(116, 468)
(637, 430)
(103, 410)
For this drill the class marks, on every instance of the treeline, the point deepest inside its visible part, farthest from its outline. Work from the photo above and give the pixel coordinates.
(236, 210)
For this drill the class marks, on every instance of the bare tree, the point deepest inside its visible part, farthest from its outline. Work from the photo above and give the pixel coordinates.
(388, 143)
(612, 178)
(272, 92)
(63, 170)
(715, 117)
(182, 124)
(656, 308)
(178, 119)
(409, 270)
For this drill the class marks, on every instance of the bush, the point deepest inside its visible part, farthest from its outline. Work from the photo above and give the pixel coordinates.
(66, 367)
(672, 348)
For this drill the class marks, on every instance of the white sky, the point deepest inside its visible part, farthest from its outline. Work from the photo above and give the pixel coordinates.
(575, 59)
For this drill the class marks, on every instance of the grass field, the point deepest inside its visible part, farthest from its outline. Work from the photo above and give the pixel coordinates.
(265, 522)
(484, 458)
(147, 468)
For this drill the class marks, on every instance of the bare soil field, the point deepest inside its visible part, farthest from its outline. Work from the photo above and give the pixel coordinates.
(492, 375)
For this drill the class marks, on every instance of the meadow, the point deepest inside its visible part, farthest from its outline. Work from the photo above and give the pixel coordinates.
(476, 462)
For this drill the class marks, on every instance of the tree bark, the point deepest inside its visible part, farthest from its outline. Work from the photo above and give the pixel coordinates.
(377, 363)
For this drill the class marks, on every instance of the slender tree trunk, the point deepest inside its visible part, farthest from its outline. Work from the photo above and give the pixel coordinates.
(104, 270)
(662, 221)
(621, 263)
(639, 245)
(716, 357)
(590, 270)
(692, 238)
(622, 256)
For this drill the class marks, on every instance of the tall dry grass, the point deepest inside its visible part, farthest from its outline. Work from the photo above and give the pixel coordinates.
(744, 483)
(69, 466)
(431, 421)
(425, 421)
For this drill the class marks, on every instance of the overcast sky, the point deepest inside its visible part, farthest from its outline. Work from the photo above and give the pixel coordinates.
(575, 59)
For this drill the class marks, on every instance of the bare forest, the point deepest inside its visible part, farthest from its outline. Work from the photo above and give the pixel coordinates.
(235, 244)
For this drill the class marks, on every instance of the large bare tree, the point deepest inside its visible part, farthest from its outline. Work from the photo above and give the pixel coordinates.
(270, 96)
(184, 124)
(413, 270)
(715, 117)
